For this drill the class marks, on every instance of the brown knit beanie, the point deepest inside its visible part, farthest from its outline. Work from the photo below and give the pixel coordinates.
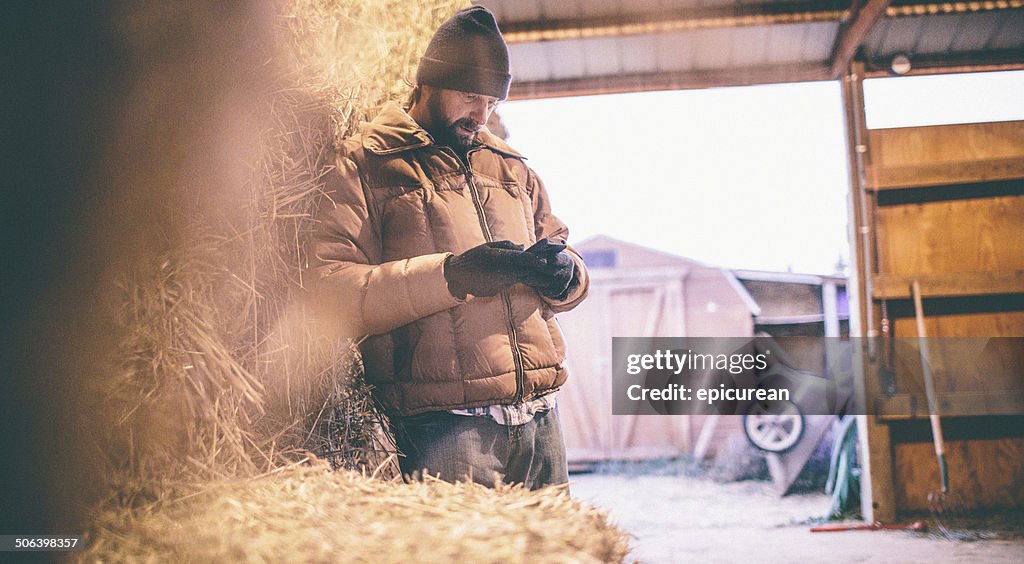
(467, 53)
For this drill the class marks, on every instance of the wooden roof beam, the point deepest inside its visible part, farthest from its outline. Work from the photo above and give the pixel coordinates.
(667, 21)
(946, 63)
(929, 8)
(682, 80)
(852, 35)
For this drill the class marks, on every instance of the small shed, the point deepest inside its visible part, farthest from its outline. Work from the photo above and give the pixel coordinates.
(797, 310)
(636, 291)
(801, 312)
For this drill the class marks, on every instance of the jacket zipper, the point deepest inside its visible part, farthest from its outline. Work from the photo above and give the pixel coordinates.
(517, 359)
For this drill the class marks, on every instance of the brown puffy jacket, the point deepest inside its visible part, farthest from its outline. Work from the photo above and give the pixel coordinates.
(398, 206)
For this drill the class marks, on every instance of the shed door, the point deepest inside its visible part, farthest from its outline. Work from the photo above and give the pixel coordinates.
(649, 306)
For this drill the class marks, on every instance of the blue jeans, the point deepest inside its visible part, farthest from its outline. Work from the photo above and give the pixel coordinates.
(461, 447)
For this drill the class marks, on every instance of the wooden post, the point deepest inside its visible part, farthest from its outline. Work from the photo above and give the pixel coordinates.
(877, 486)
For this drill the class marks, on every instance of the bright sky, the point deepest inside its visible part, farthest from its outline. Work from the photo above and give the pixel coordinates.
(750, 177)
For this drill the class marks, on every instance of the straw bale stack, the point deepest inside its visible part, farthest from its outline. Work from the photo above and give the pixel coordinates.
(308, 513)
(217, 372)
(214, 386)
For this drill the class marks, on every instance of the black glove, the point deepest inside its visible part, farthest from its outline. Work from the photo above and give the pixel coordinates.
(486, 270)
(554, 277)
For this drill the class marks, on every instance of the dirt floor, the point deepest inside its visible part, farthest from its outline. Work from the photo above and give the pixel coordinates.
(679, 518)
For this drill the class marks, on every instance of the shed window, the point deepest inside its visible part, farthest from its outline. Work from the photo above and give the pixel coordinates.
(603, 258)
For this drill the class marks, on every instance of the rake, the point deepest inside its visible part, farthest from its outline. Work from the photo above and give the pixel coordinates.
(943, 503)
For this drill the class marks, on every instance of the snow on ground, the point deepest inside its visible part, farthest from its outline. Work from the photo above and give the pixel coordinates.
(680, 518)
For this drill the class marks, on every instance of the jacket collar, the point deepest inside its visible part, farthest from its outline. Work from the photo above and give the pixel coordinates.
(394, 130)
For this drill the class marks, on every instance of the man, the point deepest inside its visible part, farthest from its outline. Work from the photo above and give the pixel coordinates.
(421, 247)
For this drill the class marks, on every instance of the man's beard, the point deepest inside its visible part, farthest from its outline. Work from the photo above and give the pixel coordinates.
(450, 134)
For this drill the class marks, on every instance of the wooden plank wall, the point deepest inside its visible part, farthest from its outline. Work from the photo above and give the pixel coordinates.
(993, 484)
(945, 154)
(974, 235)
(947, 206)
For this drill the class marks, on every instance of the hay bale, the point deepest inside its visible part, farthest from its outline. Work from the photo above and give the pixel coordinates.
(218, 374)
(196, 382)
(218, 386)
(311, 514)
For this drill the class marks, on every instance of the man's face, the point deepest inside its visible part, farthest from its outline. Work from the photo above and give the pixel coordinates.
(456, 117)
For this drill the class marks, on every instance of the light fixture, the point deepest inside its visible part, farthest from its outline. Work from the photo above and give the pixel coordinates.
(900, 64)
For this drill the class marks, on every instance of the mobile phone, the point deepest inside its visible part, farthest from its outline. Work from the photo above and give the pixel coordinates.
(547, 246)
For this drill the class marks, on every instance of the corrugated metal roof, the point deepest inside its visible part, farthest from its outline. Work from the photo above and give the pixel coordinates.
(565, 47)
